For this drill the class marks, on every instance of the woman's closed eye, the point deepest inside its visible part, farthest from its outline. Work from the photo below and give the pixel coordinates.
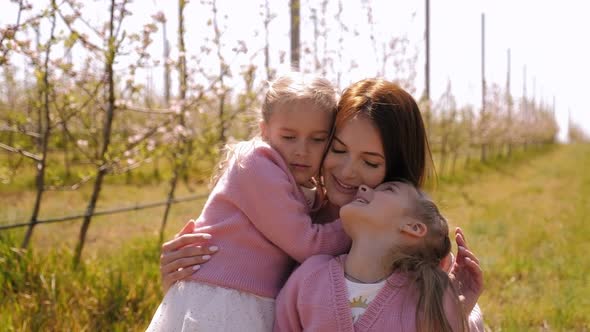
(370, 164)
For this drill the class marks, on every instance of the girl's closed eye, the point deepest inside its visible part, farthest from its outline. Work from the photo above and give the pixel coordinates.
(319, 139)
(288, 137)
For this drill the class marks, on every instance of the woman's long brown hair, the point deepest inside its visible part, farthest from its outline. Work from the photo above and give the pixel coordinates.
(396, 115)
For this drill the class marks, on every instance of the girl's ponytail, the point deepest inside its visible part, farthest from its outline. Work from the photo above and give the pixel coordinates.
(433, 284)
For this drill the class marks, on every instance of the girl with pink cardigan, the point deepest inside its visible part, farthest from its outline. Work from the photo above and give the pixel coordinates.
(390, 279)
(264, 195)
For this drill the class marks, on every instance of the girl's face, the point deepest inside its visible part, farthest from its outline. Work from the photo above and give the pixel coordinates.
(300, 133)
(355, 157)
(389, 207)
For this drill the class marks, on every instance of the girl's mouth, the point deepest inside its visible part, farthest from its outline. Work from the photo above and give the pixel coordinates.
(300, 166)
(361, 200)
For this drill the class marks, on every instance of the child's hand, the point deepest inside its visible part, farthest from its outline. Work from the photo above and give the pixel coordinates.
(466, 274)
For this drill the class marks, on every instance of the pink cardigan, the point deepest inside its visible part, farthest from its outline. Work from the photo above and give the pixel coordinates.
(315, 298)
(258, 215)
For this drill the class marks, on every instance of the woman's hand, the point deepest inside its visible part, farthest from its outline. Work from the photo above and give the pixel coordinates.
(183, 255)
(466, 274)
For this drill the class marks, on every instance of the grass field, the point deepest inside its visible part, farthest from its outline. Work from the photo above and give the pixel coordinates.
(530, 226)
(527, 219)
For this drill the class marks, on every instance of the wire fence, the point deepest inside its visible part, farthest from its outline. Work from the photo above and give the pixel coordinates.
(104, 212)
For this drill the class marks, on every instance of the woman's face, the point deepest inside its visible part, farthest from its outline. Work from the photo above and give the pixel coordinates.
(355, 157)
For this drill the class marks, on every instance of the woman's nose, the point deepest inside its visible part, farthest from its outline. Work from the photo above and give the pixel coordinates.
(348, 169)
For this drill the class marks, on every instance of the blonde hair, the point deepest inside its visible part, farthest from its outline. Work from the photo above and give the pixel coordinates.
(295, 86)
(423, 262)
(285, 89)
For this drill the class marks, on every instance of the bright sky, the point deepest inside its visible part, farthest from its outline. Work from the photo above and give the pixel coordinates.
(546, 36)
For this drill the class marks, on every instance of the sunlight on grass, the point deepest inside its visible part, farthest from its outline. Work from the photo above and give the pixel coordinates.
(530, 229)
(526, 218)
(42, 292)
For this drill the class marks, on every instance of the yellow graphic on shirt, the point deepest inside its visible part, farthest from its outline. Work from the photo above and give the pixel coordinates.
(359, 302)
(358, 305)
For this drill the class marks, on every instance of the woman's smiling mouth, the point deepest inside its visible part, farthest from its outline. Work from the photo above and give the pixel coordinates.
(344, 187)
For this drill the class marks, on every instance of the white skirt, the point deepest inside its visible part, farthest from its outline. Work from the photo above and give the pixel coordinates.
(195, 306)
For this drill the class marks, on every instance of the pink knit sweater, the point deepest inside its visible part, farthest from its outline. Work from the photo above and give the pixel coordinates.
(258, 215)
(315, 298)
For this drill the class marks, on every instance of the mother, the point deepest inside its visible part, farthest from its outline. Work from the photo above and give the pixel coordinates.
(379, 136)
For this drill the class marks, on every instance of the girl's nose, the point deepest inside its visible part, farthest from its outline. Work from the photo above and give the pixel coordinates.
(365, 192)
(301, 150)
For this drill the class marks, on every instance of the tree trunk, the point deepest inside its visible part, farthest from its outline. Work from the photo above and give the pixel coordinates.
(179, 152)
(66, 151)
(108, 122)
(295, 26)
(267, 19)
(166, 66)
(44, 129)
(169, 200)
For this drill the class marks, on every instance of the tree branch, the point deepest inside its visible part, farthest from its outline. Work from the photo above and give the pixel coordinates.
(20, 131)
(20, 151)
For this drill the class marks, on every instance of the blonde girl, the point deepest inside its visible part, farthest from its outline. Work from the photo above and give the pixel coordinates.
(259, 211)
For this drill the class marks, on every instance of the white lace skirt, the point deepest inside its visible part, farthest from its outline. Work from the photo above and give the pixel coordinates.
(194, 306)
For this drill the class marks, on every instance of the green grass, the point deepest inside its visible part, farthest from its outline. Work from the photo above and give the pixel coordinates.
(526, 218)
(528, 223)
(43, 292)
